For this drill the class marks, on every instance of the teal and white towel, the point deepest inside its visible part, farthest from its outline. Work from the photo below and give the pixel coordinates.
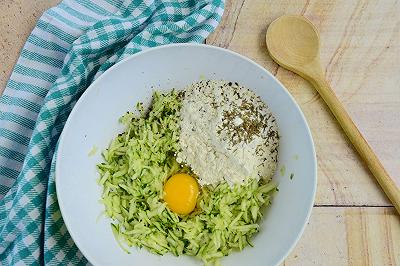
(71, 45)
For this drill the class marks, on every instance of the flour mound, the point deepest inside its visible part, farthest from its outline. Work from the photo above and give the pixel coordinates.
(227, 133)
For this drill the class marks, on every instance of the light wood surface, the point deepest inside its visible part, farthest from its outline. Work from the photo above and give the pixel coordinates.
(361, 53)
(293, 42)
(349, 236)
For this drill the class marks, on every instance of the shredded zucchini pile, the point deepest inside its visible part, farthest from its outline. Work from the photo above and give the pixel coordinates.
(135, 167)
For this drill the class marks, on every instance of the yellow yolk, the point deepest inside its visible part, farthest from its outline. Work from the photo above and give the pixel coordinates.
(180, 193)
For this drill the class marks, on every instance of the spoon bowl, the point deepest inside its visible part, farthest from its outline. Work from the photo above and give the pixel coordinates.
(293, 41)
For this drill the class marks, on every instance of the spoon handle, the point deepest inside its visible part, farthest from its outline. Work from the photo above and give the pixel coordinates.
(358, 141)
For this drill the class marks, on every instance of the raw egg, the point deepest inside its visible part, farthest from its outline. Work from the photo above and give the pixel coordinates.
(180, 193)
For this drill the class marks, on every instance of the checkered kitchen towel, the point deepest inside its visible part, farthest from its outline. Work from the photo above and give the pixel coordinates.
(71, 45)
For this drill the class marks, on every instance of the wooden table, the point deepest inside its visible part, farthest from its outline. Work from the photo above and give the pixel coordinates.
(352, 221)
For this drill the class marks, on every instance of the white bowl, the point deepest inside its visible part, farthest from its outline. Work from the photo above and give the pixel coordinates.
(94, 122)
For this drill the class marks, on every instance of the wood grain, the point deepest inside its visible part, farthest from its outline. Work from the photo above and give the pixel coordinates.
(293, 43)
(17, 19)
(360, 51)
(349, 236)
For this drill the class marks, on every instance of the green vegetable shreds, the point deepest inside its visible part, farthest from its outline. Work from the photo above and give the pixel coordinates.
(135, 167)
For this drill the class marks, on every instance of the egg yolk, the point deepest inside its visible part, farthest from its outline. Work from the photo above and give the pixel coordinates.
(180, 193)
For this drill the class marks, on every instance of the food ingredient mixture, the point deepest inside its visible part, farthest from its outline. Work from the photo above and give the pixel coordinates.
(141, 179)
(227, 133)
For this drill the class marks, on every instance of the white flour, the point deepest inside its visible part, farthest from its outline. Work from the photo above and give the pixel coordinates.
(227, 133)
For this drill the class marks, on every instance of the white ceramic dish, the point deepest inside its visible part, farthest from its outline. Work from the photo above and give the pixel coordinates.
(94, 122)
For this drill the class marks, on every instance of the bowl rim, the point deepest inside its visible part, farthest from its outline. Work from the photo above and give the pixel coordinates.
(149, 50)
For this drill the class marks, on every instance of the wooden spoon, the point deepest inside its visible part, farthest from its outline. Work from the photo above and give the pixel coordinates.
(293, 42)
